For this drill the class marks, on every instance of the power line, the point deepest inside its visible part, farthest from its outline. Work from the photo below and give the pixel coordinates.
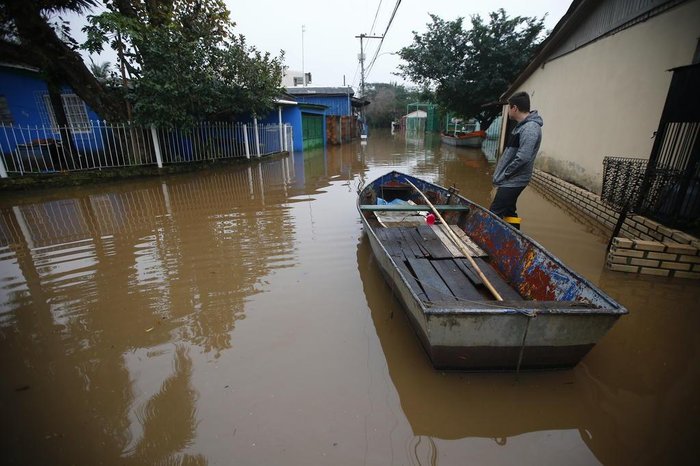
(371, 30)
(376, 54)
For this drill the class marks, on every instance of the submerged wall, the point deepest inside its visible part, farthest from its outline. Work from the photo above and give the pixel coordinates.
(644, 246)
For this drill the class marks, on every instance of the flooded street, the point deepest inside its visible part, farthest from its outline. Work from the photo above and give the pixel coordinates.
(237, 316)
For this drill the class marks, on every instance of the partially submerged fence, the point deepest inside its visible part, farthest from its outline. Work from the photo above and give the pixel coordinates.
(42, 149)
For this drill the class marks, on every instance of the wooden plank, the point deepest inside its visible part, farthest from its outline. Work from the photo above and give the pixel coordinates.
(381, 233)
(434, 287)
(469, 271)
(397, 251)
(412, 282)
(457, 281)
(393, 247)
(411, 244)
(471, 245)
(446, 241)
(414, 238)
(503, 288)
(412, 208)
(431, 242)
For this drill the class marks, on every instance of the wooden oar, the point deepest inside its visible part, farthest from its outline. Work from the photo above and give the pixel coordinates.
(455, 239)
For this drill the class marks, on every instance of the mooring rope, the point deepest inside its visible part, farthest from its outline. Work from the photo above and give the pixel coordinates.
(522, 345)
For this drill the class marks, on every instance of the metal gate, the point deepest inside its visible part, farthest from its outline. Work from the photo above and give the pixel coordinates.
(312, 131)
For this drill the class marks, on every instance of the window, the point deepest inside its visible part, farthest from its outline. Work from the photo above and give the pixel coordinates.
(5, 115)
(76, 113)
(298, 81)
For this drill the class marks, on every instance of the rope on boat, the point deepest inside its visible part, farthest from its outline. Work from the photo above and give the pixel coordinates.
(522, 345)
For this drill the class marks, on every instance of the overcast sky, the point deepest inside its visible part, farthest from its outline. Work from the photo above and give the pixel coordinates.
(331, 49)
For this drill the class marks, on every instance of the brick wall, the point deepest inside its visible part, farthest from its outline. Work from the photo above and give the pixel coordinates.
(654, 258)
(644, 246)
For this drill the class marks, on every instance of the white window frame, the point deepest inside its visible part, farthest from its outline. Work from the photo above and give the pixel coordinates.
(76, 113)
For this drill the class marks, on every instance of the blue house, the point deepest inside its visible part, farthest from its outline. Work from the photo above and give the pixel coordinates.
(30, 140)
(308, 121)
(342, 109)
(35, 137)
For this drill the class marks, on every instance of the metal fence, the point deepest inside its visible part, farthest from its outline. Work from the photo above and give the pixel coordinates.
(46, 149)
(622, 178)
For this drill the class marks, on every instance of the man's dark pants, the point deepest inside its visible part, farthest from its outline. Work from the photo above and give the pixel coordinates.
(503, 204)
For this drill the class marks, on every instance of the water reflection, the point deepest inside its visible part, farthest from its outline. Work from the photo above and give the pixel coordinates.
(158, 420)
(236, 315)
(118, 287)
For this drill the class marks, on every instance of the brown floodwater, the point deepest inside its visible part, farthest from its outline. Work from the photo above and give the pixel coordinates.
(237, 316)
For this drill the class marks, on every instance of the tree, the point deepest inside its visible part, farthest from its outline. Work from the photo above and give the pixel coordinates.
(182, 61)
(389, 102)
(470, 68)
(29, 35)
(178, 60)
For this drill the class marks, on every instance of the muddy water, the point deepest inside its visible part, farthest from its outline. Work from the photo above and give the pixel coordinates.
(236, 316)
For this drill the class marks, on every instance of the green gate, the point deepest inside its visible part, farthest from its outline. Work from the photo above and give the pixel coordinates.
(312, 127)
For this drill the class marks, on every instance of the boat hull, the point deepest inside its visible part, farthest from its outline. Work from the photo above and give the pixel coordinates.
(473, 141)
(503, 336)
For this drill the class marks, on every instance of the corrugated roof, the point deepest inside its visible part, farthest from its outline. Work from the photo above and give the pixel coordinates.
(303, 91)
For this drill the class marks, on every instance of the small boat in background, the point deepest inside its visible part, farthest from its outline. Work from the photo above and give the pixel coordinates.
(471, 139)
(479, 294)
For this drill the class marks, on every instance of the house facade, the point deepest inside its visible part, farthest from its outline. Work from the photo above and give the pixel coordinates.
(342, 110)
(308, 122)
(601, 79)
(25, 104)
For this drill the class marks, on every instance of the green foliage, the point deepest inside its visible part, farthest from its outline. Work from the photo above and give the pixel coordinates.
(182, 62)
(470, 68)
(389, 102)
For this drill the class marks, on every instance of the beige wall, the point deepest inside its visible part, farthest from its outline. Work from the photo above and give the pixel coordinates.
(606, 98)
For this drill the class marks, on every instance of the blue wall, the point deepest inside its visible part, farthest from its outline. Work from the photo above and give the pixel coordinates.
(337, 105)
(291, 114)
(20, 89)
(24, 90)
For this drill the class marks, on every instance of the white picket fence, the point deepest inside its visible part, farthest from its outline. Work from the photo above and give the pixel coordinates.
(41, 149)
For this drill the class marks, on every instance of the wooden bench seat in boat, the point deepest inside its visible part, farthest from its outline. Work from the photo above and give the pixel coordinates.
(411, 208)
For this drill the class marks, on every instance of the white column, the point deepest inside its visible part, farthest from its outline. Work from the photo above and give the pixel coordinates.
(23, 227)
(166, 198)
(279, 114)
(245, 140)
(3, 171)
(262, 186)
(257, 137)
(156, 145)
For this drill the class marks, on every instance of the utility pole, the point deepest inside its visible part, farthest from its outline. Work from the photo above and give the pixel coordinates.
(303, 72)
(362, 60)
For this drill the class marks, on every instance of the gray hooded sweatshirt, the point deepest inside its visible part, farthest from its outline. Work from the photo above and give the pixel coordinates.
(514, 168)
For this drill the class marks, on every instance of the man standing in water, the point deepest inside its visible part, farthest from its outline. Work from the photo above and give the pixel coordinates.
(514, 168)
